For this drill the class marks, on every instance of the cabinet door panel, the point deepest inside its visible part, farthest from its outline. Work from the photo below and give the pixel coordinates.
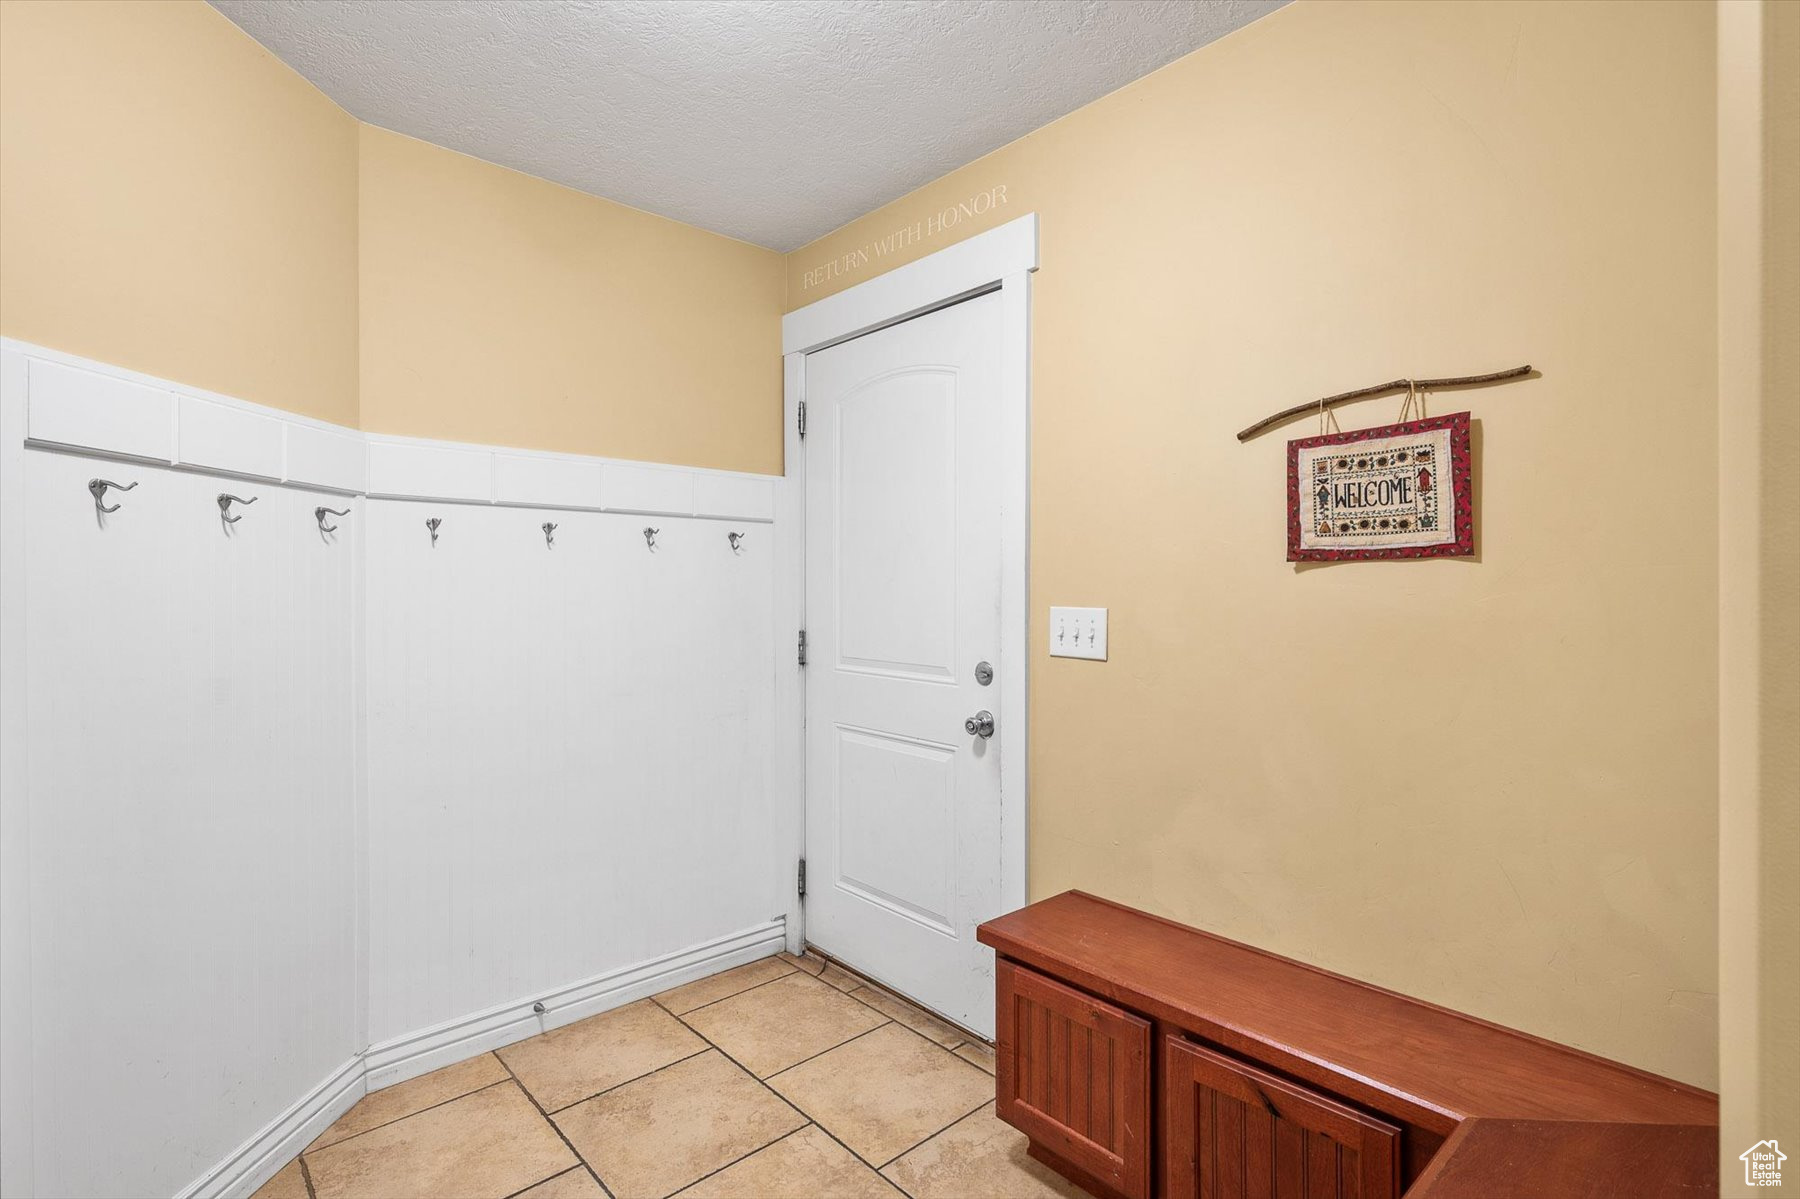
(1073, 1074)
(1232, 1131)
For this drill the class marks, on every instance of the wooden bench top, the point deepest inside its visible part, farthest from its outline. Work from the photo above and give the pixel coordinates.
(1387, 1051)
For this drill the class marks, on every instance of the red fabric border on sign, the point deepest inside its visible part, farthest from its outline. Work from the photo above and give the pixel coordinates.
(1463, 542)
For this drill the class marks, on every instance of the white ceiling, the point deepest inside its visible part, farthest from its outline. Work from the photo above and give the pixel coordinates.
(774, 121)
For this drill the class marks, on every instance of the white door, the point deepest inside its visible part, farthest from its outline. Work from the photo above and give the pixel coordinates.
(902, 606)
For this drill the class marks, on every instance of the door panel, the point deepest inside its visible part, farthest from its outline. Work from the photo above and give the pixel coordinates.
(896, 562)
(1073, 1073)
(1232, 1131)
(902, 602)
(892, 790)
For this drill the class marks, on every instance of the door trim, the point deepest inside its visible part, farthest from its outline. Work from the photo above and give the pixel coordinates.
(1001, 259)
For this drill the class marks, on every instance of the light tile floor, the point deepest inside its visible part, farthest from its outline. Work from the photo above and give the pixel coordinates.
(788, 1078)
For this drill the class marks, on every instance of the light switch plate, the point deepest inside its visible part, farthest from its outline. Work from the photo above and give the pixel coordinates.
(1078, 633)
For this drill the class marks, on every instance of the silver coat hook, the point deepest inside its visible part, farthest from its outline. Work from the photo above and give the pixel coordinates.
(432, 523)
(319, 515)
(225, 503)
(549, 533)
(737, 542)
(97, 489)
(650, 537)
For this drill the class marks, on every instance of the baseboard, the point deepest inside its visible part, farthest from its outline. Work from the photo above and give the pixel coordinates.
(263, 1155)
(396, 1060)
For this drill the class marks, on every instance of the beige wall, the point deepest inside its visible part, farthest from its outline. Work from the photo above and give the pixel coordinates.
(1490, 783)
(503, 309)
(1759, 576)
(176, 200)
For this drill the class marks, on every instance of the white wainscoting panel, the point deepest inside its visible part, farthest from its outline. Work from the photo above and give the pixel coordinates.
(290, 815)
(648, 489)
(568, 751)
(741, 496)
(326, 457)
(225, 437)
(77, 407)
(112, 411)
(439, 471)
(190, 783)
(559, 481)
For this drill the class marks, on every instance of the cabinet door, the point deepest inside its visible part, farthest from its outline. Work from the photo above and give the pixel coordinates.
(1073, 1074)
(1231, 1131)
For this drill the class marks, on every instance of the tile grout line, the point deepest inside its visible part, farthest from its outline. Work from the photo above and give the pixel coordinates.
(555, 1128)
(890, 1161)
(938, 1132)
(930, 1136)
(765, 1083)
(808, 1121)
(852, 1152)
(796, 1108)
(859, 1036)
(409, 1115)
(635, 1078)
(306, 1175)
(836, 1046)
(578, 1167)
(721, 999)
(805, 1117)
(746, 1157)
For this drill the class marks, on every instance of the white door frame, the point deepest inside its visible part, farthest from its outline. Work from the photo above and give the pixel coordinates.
(1001, 259)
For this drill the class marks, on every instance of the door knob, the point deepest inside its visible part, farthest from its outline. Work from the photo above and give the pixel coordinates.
(980, 725)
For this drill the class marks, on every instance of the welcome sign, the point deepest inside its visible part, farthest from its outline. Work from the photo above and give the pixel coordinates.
(1394, 491)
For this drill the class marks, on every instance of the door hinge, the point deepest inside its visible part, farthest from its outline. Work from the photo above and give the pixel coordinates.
(803, 420)
(803, 647)
(802, 879)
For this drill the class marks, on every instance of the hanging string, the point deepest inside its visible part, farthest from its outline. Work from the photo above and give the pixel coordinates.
(1326, 414)
(1413, 405)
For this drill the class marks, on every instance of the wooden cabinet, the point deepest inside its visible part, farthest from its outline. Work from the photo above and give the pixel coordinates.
(1276, 1080)
(1231, 1131)
(1073, 1073)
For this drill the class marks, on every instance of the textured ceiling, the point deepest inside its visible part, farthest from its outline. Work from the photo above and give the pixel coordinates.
(774, 121)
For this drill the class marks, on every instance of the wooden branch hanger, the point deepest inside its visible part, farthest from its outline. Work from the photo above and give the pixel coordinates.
(1344, 397)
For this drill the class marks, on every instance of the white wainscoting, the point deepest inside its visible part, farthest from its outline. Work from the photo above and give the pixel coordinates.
(190, 776)
(289, 816)
(568, 750)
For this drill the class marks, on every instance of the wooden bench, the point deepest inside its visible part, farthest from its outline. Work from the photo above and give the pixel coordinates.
(1147, 1059)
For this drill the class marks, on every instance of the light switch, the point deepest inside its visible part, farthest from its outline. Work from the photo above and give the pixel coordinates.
(1078, 633)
